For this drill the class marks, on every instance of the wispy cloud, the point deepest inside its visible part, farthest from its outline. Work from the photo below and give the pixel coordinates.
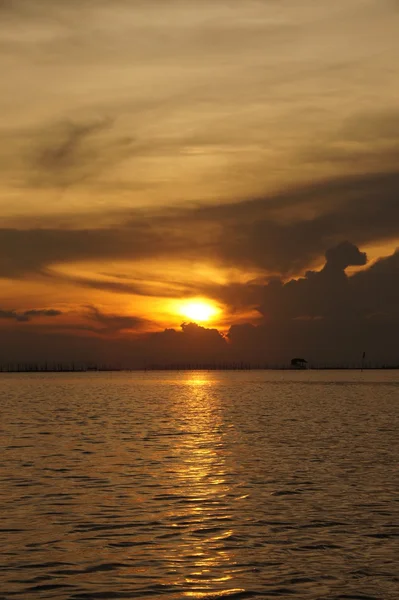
(112, 323)
(28, 315)
(187, 100)
(71, 153)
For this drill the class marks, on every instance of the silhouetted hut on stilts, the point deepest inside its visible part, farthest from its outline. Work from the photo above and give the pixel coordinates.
(299, 363)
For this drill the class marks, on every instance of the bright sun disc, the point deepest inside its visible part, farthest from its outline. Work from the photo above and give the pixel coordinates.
(198, 310)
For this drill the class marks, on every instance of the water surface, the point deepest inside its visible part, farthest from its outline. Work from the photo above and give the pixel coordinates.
(199, 485)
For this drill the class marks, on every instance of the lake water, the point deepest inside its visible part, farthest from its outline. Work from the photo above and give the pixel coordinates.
(200, 485)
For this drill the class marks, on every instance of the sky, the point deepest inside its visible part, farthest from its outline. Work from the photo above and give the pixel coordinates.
(227, 166)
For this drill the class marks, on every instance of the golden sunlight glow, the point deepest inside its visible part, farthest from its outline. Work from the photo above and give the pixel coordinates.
(198, 310)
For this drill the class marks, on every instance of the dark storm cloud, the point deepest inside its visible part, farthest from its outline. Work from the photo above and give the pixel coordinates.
(327, 315)
(192, 344)
(291, 235)
(325, 293)
(328, 293)
(284, 234)
(311, 296)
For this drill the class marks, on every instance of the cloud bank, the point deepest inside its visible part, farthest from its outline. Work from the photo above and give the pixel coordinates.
(326, 316)
(281, 234)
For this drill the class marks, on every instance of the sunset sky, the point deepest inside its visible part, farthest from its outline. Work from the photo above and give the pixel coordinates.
(222, 162)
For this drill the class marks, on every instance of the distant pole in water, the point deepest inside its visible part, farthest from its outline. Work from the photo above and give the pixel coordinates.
(363, 357)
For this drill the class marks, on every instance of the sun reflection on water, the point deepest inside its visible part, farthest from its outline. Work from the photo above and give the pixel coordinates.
(198, 378)
(202, 474)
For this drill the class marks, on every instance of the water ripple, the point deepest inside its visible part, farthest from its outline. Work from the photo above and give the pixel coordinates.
(196, 485)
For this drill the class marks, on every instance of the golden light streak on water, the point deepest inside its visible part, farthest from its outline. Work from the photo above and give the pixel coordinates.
(202, 478)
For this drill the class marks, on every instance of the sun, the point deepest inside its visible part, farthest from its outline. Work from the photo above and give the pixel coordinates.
(198, 311)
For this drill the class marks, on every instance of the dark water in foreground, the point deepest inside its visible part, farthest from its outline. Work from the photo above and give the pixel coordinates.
(200, 485)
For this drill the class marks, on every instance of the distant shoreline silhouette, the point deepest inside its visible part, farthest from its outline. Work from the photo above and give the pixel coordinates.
(240, 366)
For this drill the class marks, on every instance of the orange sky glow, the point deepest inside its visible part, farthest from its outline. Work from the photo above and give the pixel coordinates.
(172, 162)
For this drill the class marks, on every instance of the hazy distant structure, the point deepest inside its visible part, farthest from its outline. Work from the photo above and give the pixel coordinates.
(299, 363)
